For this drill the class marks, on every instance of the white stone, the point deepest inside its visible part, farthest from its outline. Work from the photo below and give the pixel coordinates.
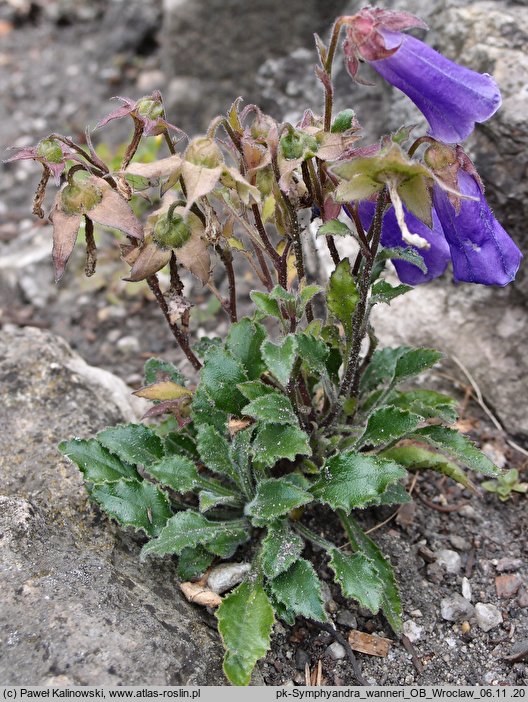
(412, 631)
(226, 576)
(336, 651)
(449, 560)
(488, 616)
(455, 607)
(466, 589)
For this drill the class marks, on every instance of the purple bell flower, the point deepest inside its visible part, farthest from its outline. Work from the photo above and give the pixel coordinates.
(436, 257)
(451, 97)
(481, 250)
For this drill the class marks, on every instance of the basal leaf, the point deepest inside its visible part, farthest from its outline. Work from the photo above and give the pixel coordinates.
(387, 424)
(426, 403)
(163, 391)
(204, 410)
(274, 498)
(280, 549)
(458, 446)
(358, 579)
(193, 562)
(254, 388)
(190, 529)
(390, 366)
(134, 503)
(299, 589)
(220, 376)
(176, 472)
(214, 452)
(179, 442)
(342, 295)
(134, 443)
(418, 458)
(280, 358)
(350, 480)
(96, 463)
(156, 370)
(244, 341)
(395, 494)
(276, 441)
(273, 407)
(208, 499)
(390, 602)
(245, 619)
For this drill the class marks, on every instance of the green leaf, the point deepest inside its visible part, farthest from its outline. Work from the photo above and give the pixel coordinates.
(193, 562)
(350, 480)
(307, 293)
(280, 358)
(387, 424)
(96, 463)
(245, 619)
(458, 446)
(190, 529)
(156, 370)
(176, 472)
(393, 365)
(214, 452)
(240, 452)
(385, 292)
(280, 549)
(133, 503)
(276, 441)
(426, 403)
(202, 346)
(133, 443)
(395, 494)
(273, 407)
(314, 353)
(274, 498)
(417, 458)
(279, 293)
(208, 499)
(254, 388)
(204, 411)
(220, 376)
(343, 121)
(390, 602)
(282, 612)
(358, 579)
(403, 253)
(177, 442)
(244, 341)
(334, 227)
(265, 304)
(342, 295)
(299, 589)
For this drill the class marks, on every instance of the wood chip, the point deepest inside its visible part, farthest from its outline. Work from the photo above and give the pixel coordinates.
(197, 594)
(369, 644)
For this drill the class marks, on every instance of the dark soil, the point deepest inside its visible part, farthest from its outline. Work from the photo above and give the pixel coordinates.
(116, 327)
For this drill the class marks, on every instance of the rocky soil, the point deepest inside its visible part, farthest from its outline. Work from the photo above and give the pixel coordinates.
(59, 63)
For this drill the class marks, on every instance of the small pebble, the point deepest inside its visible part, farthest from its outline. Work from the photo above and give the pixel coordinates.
(128, 344)
(416, 613)
(412, 631)
(488, 616)
(470, 512)
(346, 618)
(508, 564)
(455, 607)
(466, 589)
(507, 585)
(336, 651)
(465, 627)
(450, 560)
(459, 542)
(522, 600)
(301, 659)
(226, 576)
(435, 572)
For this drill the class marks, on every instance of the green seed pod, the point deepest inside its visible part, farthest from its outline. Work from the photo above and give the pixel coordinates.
(149, 108)
(50, 150)
(80, 195)
(203, 151)
(171, 232)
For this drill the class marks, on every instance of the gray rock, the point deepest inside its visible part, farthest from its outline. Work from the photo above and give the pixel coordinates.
(75, 602)
(509, 564)
(449, 560)
(488, 616)
(455, 607)
(336, 651)
(466, 589)
(459, 542)
(346, 618)
(412, 630)
(301, 659)
(226, 576)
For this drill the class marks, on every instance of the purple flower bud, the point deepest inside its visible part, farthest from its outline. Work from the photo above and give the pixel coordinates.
(481, 250)
(436, 257)
(451, 97)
